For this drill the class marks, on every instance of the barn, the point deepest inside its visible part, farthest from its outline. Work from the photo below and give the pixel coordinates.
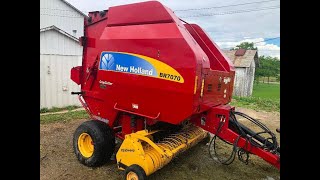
(61, 25)
(245, 62)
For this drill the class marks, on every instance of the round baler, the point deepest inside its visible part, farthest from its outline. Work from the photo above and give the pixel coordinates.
(157, 83)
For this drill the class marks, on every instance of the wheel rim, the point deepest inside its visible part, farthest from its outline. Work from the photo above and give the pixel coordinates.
(85, 145)
(132, 176)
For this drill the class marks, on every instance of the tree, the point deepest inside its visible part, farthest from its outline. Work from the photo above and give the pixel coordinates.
(278, 77)
(259, 73)
(245, 45)
(269, 67)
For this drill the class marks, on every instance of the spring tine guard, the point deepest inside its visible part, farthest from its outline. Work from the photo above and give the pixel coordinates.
(133, 152)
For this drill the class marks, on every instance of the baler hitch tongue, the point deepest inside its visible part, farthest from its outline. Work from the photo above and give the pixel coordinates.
(247, 141)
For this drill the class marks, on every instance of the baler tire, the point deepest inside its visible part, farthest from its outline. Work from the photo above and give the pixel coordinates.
(137, 170)
(103, 140)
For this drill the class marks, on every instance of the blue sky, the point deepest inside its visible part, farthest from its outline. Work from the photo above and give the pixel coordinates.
(273, 41)
(228, 22)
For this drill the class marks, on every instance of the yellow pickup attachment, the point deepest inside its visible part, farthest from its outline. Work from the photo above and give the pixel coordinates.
(139, 149)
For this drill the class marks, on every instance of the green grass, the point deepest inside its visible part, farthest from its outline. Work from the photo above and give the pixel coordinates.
(65, 117)
(263, 90)
(57, 109)
(256, 103)
(264, 97)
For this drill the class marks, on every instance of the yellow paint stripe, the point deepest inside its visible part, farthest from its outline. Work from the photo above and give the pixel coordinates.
(195, 85)
(202, 86)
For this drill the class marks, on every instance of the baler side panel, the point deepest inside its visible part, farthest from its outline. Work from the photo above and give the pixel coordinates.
(218, 88)
(218, 61)
(218, 75)
(99, 103)
(173, 100)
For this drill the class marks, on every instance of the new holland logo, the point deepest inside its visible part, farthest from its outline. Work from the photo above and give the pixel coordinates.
(108, 61)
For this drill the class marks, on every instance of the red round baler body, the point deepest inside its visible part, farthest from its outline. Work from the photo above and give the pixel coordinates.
(195, 74)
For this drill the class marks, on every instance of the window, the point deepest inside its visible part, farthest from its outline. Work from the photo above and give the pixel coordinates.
(74, 33)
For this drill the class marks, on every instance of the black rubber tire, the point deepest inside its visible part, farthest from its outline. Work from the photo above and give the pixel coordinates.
(136, 169)
(103, 139)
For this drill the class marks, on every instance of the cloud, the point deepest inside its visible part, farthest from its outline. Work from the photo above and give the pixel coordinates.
(263, 47)
(269, 50)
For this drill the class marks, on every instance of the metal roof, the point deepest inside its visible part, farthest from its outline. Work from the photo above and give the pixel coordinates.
(60, 31)
(74, 8)
(242, 60)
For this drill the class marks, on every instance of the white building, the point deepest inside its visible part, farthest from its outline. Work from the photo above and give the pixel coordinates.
(61, 25)
(245, 63)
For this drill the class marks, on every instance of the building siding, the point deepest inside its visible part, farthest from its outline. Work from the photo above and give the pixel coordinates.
(244, 78)
(59, 53)
(55, 83)
(251, 78)
(53, 42)
(239, 83)
(245, 69)
(58, 13)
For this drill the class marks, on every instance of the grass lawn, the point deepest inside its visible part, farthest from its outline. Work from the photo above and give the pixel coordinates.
(264, 90)
(65, 117)
(264, 96)
(56, 109)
